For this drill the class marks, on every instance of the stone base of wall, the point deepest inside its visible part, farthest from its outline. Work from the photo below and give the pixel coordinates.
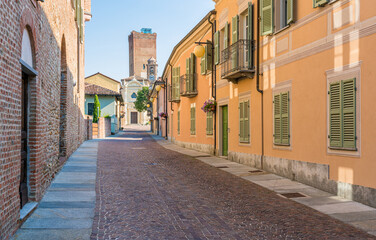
(312, 174)
(205, 148)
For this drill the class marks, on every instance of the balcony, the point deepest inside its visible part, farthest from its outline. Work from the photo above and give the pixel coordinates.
(188, 85)
(237, 61)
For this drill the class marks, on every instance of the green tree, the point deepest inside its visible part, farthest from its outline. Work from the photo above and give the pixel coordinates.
(97, 105)
(142, 99)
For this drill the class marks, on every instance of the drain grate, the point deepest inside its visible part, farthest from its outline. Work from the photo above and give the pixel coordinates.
(293, 195)
(256, 171)
(222, 167)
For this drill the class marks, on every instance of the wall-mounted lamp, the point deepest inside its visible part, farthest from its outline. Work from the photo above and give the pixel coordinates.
(199, 51)
(158, 88)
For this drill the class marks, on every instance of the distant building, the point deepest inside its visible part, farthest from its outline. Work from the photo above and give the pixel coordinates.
(110, 98)
(142, 47)
(130, 87)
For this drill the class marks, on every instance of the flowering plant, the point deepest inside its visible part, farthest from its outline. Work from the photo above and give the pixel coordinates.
(209, 106)
(163, 115)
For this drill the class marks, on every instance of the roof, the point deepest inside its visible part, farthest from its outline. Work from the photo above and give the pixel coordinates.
(135, 77)
(186, 37)
(98, 73)
(92, 89)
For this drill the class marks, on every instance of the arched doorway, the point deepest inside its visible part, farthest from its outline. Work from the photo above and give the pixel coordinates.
(63, 102)
(28, 74)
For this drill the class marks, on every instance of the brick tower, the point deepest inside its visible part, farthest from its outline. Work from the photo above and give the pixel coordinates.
(142, 47)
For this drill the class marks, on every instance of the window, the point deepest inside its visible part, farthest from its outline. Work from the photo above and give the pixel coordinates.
(206, 60)
(342, 114)
(281, 104)
(179, 122)
(244, 130)
(276, 15)
(90, 109)
(217, 50)
(175, 83)
(193, 120)
(134, 95)
(209, 123)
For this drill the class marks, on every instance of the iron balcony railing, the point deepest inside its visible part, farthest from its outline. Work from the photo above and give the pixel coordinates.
(188, 85)
(237, 60)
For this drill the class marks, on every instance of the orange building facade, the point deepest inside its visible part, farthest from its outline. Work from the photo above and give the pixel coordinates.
(300, 107)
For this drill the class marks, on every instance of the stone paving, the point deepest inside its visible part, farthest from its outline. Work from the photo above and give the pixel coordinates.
(145, 191)
(67, 209)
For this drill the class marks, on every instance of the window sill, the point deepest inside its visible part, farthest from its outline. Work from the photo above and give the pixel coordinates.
(281, 145)
(343, 149)
(282, 29)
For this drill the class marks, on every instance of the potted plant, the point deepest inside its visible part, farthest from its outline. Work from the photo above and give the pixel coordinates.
(163, 115)
(209, 106)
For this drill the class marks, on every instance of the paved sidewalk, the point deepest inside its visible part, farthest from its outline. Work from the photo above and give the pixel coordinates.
(67, 208)
(356, 214)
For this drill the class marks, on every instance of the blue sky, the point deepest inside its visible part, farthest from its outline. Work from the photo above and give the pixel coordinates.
(113, 20)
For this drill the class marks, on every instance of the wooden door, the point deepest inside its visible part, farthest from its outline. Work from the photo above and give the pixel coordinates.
(24, 147)
(134, 117)
(225, 130)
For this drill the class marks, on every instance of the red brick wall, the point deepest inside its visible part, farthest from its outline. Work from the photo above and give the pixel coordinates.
(104, 127)
(47, 23)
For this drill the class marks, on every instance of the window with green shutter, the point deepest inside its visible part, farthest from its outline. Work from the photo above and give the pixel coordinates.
(203, 62)
(209, 123)
(225, 36)
(234, 29)
(266, 10)
(178, 122)
(193, 121)
(206, 60)
(217, 48)
(281, 104)
(319, 3)
(244, 130)
(342, 111)
(176, 83)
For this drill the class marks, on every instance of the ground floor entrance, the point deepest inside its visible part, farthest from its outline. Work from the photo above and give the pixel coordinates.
(134, 117)
(224, 130)
(24, 143)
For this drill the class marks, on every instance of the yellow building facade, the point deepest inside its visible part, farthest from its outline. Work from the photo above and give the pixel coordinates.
(301, 106)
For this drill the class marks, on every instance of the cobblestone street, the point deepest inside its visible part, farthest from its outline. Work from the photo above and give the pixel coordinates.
(145, 191)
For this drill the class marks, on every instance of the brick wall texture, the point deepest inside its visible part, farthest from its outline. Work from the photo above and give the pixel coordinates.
(56, 124)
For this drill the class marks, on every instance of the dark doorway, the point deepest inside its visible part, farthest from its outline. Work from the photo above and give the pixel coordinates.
(134, 118)
(24, 143)
(224, 130)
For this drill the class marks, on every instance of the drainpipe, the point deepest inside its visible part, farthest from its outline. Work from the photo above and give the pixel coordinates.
(167, 116)
(258, 83)
(169, 64)
(214, 79)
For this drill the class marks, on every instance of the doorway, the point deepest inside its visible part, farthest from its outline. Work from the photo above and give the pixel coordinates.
(24, 189)
(224, 130)
(134, 118)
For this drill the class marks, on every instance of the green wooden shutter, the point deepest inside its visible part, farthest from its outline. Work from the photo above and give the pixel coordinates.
(187, 74)
(209, 123)
(225, 37)
(216, 48)
(193, 120)
(241, 121)
(250, 51)
(349, 114)
(318, 3)
(335, 115)
(178, 122)
(235, 32)
(290, 11)
(173, 84)
(285, 119)
(192, 65)
(277, 119)
(266, 17)
(209, 58)
(246, 121)
(203, 63)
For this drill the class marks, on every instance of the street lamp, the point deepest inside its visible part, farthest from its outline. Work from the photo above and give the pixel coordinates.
(199, 51)
(148, 105)
(158, 88)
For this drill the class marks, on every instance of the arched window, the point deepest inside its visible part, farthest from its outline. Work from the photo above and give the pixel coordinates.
(27, 56)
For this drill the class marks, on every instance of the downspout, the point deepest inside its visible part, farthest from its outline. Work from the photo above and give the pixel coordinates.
(258, 83)
(169, 64)
(214, 78)
(167, 116)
